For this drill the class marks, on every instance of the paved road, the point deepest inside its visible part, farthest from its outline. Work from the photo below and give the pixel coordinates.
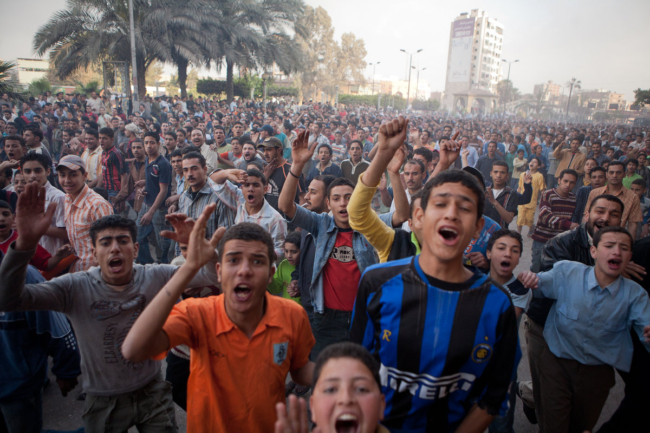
(65, 413)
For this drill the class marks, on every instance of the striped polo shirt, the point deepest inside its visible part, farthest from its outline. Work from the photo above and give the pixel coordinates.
(113, 166)
(555, 213)
(80, 213)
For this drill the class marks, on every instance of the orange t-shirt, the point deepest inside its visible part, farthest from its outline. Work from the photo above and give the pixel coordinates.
(235, 382)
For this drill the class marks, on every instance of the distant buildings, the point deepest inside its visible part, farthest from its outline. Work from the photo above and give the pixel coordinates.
(549, 90)
(473, 62)
(31, 69)
(600, 99)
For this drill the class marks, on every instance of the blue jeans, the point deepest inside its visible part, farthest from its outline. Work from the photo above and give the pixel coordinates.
(24, 415)
(331, 327)
(157, 224)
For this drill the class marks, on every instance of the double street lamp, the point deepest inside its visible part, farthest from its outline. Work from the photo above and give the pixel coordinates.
(410, 67)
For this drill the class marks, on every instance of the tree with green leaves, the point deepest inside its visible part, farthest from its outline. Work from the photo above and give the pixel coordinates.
(89, 31)
(507, 92)
(573, 84)
(9, 81)
(255, 34)
(641, 97)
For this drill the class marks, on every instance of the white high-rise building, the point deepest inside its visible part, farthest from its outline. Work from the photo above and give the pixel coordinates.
(474, 59)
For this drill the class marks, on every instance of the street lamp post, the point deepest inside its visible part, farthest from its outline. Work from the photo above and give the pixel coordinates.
(509, 65)
(265, 76)
(337, 97)
(374, 69)
(410, 67)
(134, 65)
(417, 84)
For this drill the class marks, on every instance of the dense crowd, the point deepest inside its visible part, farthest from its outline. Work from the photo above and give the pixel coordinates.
(368, 255)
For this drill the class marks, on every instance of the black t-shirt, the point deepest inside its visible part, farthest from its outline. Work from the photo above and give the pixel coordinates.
(276, 183)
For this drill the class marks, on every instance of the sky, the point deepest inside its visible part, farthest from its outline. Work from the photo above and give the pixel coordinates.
(603, 43)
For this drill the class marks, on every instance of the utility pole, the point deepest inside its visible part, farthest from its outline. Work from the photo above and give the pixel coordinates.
(410, 67)
(134, 64)
(374, 69)
(417, 84)
(509, 84)
(571, 83)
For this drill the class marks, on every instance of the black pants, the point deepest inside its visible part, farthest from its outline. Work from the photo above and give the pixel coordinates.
(178, 373)
(631, 412)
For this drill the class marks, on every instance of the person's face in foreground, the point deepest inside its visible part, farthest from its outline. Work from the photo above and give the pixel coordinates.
(338, 202)
(604, 213)
(613, 253)
(449, 222)
(115, 252)
(244, 272)
(346, 398)
(71, 181)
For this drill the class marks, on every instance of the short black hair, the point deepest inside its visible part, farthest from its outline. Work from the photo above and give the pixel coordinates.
(293, 238)
(172, 133)
(500, 163)
(611, 229)
(5, 205)
(247, 232)
(613, 163)
(346, 350)
(188, 149)
(414, 198)
(17, 138)
(113, 222)
(426, 153)
(34, 130)
(455, 176)
(339, 181)
(195, 155)
(257, 173)
(633, 161)
(505, 232)
(42, 159)
(418, 163)
(92, 132)
(107, 131)
(569, 171)
(176, 152)
(103, 192)
(608, 197)
(258, 164)
(151, 134)
(596, 169)
(639, 182)
(327, 180)
(327, 146)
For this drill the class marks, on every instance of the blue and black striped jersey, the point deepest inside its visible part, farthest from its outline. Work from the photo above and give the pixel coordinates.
(442, 347)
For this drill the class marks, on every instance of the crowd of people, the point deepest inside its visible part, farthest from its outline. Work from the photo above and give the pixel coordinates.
(281, 249)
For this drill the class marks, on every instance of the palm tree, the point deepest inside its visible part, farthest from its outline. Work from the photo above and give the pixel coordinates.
(89, 31)
(9, 82)
(574, 83)
(254, 34)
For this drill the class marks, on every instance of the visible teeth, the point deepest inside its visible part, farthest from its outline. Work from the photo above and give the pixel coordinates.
(347, 417)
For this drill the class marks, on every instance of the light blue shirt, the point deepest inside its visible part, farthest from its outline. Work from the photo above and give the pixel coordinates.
(590, 324)
(180, 184)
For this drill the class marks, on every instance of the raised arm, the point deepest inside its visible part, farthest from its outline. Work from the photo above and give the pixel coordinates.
(449, 152)
(147, 339)
(301, 152)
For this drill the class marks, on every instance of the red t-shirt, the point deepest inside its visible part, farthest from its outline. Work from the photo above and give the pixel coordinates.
(40, 259)
(341, 274)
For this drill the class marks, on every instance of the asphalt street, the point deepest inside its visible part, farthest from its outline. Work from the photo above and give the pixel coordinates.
(61, 413)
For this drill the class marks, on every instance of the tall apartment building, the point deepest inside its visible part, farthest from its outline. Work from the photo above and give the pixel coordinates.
(474, 59)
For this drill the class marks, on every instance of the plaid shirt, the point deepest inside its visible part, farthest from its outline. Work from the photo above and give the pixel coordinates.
(79, 215)
(192, 204)
(267, 218)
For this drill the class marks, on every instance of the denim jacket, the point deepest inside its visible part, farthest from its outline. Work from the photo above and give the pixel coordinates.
(324, 230)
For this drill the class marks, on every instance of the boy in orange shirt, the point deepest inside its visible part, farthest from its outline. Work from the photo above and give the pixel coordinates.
(242, 342)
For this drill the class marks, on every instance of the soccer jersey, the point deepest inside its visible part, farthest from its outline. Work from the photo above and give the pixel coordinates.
(442, 347)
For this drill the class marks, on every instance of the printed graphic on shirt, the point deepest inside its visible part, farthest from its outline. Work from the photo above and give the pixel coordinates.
(423, 385)
(113, 336)
(280, 352)
(344, 254)
(155, 171)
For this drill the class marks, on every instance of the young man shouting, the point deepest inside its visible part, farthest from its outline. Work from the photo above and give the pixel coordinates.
(445, 335)
(243, 342)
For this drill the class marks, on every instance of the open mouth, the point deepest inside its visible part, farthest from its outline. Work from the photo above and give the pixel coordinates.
(347, 423)
(242, 292)
(116, 265)
(449, 235)
(344, 213)
(505, 265)
(614, 264)
(3, 227)
(250, 198)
